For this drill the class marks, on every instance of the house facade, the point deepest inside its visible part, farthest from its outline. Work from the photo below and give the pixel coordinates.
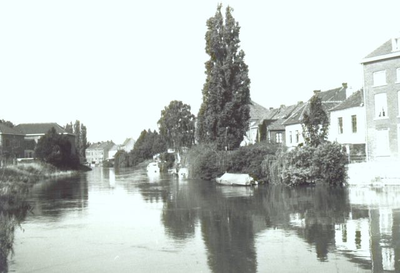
(98, 152)
(34, 131)
(11, 144)
(293, 124)
(382, 100)
(347, 126)
(257, 115)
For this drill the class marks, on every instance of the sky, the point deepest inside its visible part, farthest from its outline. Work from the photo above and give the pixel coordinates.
(114, 65)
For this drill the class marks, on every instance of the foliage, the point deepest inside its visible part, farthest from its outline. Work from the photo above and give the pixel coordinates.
(121, 159)
(80, 132)
(224, 115)
(168, 159)
(6, 122)
(315, 123)
(207, 163)
(148, 144)
(177, 125)
(56, 150)
(249, 160)
(309, 165)
(330, 161)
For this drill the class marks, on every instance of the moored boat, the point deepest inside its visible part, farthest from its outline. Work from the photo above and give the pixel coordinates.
(236, 179)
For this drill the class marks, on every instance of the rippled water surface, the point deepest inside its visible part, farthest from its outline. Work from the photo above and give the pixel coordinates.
(126, 221)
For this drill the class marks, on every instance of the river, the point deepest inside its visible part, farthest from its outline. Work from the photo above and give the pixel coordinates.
(126, 221)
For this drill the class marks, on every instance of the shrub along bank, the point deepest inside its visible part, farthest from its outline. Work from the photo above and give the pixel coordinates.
(206, 162)
(268, 163)
(306, 165)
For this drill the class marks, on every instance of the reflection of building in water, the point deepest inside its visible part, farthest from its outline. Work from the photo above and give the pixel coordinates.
(371, 238)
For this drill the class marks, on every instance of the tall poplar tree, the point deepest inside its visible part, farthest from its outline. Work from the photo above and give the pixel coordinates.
(225, 113)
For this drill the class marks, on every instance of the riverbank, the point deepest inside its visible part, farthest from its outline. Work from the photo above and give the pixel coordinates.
(376, 173)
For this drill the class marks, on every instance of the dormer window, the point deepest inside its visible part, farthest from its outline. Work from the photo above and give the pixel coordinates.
(396, 44)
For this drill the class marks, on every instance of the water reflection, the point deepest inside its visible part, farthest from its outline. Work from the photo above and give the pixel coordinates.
(332, 229)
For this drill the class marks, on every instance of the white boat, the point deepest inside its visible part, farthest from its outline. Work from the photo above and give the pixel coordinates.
(236, 179)
(153, 168)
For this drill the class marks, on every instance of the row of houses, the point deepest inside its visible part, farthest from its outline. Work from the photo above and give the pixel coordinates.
(106, 150)
(366, 122)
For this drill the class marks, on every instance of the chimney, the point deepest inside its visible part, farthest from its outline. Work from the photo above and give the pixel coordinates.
(316, 92)
(344, 85)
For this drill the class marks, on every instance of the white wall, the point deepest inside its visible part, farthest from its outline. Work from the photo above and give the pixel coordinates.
(293, 128)
(347, 137)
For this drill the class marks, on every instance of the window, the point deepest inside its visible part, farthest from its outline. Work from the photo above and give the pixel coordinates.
(380, 105)
(290, 137)
(297, 136)
(340, 125)
(398, 75)
(379, 78)
(278, 137)
(354, 123)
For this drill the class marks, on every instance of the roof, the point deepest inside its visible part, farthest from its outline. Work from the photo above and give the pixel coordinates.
(39, 128)
(257, 112)
(330, 99)
(384, 49)
(282, 115)
(127, 141)
(355, 100)
(101, 145)
(6, 130)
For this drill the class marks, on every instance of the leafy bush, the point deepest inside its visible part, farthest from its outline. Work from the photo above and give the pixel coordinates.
(298, 167)
(330, 162)
(205, 162)
(249, 160)
(308, 165)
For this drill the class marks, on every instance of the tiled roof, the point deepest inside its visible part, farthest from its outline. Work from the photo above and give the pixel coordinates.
(355, 100)
(384, 49)
(257, 112)
(330, 99)
(5, 130)
(282, 115)
(39, 128)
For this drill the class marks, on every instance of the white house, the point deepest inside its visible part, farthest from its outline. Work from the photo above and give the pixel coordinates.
(347, 125)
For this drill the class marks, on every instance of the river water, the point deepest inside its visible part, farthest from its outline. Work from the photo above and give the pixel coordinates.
(126, 221)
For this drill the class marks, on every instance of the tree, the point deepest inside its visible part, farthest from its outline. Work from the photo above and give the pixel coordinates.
(56, 150)
(6, 122)
(315, 123)
(177, 125)
(69, 128)
(225, 113)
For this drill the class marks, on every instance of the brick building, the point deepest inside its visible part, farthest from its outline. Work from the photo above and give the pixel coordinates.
(382, 100)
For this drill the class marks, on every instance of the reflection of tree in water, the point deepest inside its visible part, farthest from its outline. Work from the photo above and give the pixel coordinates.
(180, 212)
(229, 224)
(13, 210)
(56, 196)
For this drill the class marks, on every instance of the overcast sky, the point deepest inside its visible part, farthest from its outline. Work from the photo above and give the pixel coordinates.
(114, 65)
